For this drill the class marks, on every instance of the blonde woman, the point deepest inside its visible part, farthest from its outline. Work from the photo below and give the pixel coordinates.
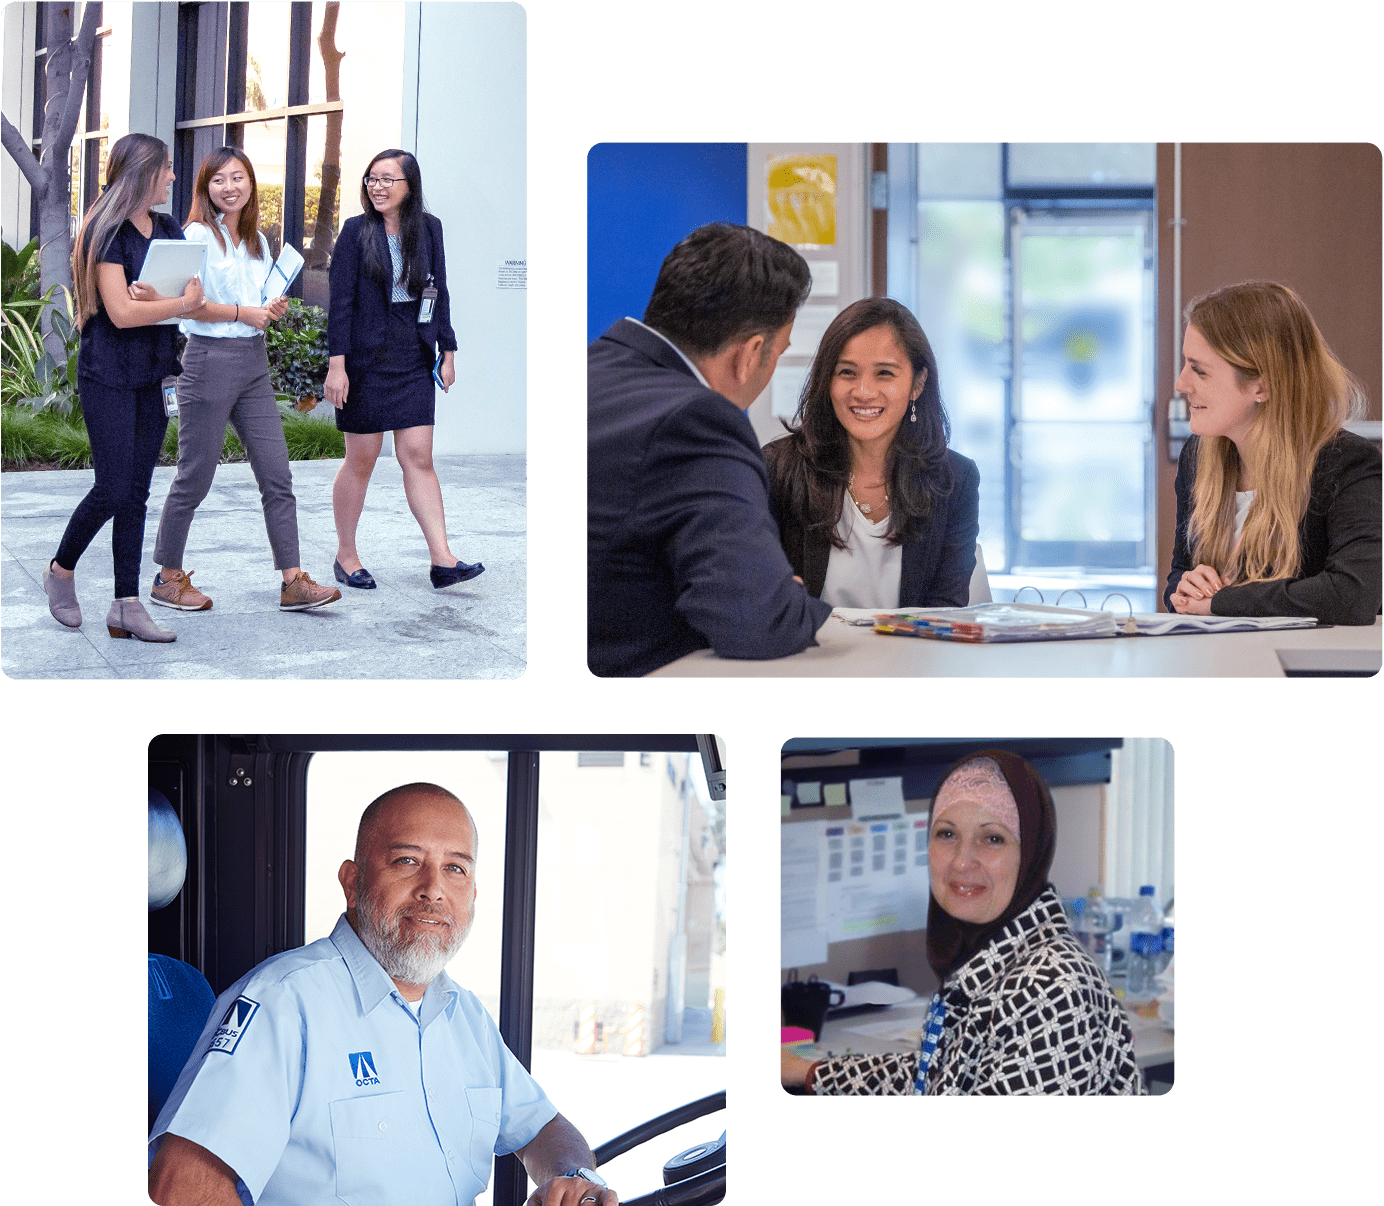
(1278, 507)
(225, 379)
(122, 361)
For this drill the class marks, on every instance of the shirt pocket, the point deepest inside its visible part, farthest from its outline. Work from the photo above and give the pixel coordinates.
(376, 1141)
(485, 1106)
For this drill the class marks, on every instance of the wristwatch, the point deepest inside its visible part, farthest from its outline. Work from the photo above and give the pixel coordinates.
(587, 1174)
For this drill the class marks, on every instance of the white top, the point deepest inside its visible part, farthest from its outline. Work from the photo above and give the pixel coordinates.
(230, 278)
(867, 572)
(1243, 498)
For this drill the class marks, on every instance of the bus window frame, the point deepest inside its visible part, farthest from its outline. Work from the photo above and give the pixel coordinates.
(251, 860)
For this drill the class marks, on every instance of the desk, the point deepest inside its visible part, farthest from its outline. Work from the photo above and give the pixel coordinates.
(844, 651)
(900, 1028)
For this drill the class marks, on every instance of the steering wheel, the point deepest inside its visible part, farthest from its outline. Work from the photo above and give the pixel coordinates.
(700, 1188)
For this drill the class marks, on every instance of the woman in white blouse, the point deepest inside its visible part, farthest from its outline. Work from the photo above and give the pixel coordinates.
(225, 379)
(874, 509)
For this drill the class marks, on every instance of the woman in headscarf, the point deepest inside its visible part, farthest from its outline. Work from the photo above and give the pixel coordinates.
(1022, 1008)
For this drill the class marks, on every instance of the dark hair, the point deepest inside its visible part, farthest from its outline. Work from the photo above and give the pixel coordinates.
(378, 265)
(204, 210)
(918, 470)
(726, 283)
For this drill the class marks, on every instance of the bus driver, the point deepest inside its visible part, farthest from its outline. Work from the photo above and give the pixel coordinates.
(354, 1068)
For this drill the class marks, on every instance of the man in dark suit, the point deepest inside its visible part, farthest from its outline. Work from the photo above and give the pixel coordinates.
(682, 550)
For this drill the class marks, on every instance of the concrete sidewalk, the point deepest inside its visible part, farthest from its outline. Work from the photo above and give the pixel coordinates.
(404, 629)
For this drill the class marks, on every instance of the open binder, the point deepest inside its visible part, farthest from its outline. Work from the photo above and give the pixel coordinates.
(995, 622)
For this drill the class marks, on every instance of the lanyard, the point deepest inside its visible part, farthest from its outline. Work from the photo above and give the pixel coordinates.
(932, 1031)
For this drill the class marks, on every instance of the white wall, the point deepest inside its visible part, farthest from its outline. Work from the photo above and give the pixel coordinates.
(17, 101)
(154, 60)
(464, 117)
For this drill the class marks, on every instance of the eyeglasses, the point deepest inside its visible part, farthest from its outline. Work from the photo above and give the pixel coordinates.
(382, 181)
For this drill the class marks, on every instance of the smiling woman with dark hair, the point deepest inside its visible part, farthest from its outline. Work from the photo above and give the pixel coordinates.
(1022, 1009)
(389, 336)
(225, 380)
(874, 509)
(127, 350)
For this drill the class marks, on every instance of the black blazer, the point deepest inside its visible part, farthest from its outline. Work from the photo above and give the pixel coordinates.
(359, 310)
(1339, 580)
(682, 551)
(937, 564)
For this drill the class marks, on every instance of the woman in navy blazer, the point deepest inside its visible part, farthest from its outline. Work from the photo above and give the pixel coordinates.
(389, 336)
(874, 509)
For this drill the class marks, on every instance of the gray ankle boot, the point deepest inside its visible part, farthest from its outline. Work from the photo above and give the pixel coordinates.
(62, 598)
(127, 618)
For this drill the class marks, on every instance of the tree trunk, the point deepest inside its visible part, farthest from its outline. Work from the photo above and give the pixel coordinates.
(67, 70)
(323, 232)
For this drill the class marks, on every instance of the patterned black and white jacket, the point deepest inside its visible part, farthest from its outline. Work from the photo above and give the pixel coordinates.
(1029, 1014)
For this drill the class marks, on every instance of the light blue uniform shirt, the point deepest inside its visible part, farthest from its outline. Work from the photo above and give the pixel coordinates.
(317, 1084)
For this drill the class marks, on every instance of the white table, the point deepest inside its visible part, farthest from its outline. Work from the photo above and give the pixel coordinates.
(860, 1034)
(844, 651)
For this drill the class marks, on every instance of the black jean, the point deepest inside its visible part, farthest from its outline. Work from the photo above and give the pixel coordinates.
(126, 427)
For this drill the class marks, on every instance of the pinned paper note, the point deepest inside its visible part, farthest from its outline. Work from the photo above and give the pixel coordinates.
(834, 795)
(809, 793)
(877, 797)
(787, 802)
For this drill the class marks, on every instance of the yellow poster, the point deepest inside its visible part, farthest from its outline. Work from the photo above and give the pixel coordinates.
(802, 198)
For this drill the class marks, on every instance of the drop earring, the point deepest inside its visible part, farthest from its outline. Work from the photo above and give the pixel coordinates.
(913, 412)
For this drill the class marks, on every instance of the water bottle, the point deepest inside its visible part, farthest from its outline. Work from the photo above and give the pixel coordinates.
(1145, 948)
(1079, 922)
(1166, 957)
(1098, 930)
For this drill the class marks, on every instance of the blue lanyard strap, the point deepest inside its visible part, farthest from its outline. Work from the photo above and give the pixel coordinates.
(932, 1031)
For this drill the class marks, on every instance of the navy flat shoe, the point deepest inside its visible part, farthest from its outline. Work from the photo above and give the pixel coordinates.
(443, 575)
(361, 579)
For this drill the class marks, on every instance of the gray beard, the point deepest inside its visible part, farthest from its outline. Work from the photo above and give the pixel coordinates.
(413, 959)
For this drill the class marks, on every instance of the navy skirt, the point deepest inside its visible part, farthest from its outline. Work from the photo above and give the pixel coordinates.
(394, 390)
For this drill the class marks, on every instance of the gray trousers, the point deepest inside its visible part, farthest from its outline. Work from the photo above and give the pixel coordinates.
(227, 381)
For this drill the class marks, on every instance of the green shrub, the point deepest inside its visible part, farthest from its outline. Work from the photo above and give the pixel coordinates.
(311, 439)
(29, 375)
(297, 347)
(19, 280)
(44, 437)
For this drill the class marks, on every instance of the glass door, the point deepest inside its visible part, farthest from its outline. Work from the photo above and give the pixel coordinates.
(1081, 391)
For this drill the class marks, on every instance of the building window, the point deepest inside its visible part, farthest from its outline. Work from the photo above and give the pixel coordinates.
(305, 90)
(1031, 268)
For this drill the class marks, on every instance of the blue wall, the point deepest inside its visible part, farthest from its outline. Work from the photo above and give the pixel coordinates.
(641, 198)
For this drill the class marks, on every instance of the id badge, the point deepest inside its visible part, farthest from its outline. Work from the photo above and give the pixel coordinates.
(425, 307)
(170, 397)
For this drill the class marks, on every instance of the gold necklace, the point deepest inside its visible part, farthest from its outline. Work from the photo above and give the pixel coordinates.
(864, 508)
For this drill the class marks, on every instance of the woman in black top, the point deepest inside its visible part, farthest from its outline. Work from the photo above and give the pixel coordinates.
(874, 509)
(1278, 506)
(389, 312)
(123, 359)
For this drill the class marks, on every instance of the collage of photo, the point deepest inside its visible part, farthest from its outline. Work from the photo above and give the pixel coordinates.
(906, 397)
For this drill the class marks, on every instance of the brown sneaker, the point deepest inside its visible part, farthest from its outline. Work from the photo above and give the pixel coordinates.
(303, 593)
(173, 588)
